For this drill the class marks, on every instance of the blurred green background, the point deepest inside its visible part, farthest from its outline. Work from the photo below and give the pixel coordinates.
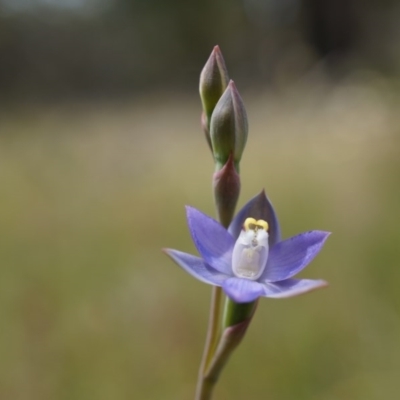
(101, 148)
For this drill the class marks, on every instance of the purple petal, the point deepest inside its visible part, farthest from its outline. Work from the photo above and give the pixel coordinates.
(292, 287)
(212, 240)
(289, 257)
(243, 290)
(197, 267)
(258, 207)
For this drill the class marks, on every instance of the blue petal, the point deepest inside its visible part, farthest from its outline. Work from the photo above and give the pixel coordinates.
(212, 240)
(289, 257)
(243, 290)
(258, 207)
(292, 287)
(197, 267)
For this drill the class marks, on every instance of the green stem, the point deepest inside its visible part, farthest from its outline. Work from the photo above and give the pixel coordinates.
(230, 339)
(205, 389)
(204, 385)
(235, 322)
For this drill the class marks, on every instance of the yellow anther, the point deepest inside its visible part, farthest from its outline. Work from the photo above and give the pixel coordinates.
(251, 223)
(248, 222)
(263, 224)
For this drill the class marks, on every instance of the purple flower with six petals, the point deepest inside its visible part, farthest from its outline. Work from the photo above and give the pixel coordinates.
(249, 260)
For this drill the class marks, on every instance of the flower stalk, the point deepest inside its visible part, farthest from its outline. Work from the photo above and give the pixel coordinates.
(205, 383)
(229, 340)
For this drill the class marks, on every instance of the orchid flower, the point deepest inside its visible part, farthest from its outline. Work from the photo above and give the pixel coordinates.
(248, 260)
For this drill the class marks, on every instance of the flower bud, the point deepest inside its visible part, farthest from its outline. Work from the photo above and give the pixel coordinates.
(213, 82)
(206, 130)
(228, 127)
(226, 185)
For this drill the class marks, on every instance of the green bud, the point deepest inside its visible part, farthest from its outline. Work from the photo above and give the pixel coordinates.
(228, 127)
(213, 82)
(206, 130)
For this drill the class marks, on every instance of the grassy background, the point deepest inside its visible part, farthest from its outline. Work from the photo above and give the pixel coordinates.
(91, 309)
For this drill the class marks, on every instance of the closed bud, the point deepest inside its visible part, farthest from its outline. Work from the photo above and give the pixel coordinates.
(229, 127)
(213, 82)
(226, 185)
(206, 130)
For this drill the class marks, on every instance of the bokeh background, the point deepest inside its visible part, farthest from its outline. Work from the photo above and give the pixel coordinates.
(101, 147)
